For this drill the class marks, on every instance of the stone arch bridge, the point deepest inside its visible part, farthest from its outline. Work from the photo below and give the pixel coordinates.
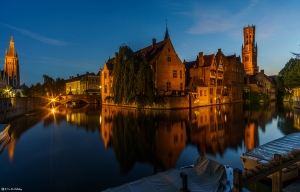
(85, 98)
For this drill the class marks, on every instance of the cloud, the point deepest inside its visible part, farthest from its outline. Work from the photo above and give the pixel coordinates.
(40, 38)
(214, 20)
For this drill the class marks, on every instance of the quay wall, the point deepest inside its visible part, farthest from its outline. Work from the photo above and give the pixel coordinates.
(180, 102)
(16, 106)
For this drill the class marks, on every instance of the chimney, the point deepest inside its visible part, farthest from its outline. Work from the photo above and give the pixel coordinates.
(200, 57)
(153, 42)
(262, 71)
(77, 75)
(219, 50)
(116, 54)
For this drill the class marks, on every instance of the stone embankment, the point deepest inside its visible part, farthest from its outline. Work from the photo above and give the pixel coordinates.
(13, 107)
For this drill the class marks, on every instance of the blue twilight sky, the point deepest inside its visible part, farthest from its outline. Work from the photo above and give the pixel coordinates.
(62, 38)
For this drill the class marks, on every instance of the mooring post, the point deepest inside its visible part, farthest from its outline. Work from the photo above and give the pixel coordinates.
(277, 176)
(237, 179)
(184, 182)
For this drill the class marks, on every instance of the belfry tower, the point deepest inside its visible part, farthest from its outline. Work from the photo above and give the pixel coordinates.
(11, 64)
(249, 51)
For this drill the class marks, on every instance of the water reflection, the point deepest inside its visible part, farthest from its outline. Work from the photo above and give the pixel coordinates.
(153, 138)
(161, 136)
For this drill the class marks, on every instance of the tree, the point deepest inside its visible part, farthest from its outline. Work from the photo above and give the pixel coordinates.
(26, 90)
(288, 77)
(133, 79)
(49, 85)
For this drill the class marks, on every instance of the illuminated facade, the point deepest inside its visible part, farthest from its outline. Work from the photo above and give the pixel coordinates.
(83, 84)
(249, 51)
(11, 64)
(215, 78)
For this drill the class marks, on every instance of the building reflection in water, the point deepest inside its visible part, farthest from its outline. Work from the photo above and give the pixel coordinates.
(158, 137)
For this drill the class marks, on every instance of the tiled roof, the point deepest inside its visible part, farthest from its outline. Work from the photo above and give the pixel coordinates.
(152, 52)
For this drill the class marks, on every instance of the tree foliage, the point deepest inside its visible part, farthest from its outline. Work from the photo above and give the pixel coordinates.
(48, 88)
(133, 79)
(289, 76)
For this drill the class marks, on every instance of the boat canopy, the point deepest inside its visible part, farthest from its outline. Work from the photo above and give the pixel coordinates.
(280, 146)
(203, 176)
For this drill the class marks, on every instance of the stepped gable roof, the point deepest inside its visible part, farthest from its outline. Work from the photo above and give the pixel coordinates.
(208, 60)
(152, 52)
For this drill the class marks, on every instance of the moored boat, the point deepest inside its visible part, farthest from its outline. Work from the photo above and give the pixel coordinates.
(204, 175)
(4, 135)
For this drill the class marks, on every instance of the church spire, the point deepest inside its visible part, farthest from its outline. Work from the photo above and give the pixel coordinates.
(167, 33)
(11, 38)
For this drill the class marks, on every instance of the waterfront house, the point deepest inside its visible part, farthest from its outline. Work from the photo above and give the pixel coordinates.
(169, 71)
(83, 84)
(261, 83)
(215, 78)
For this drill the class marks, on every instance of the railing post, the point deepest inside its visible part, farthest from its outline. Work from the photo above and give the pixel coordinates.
(277, 176)
(237, 179)
(184, 182)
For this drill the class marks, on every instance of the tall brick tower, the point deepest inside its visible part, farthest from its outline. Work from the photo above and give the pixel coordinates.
(11, 64)
(249, 51)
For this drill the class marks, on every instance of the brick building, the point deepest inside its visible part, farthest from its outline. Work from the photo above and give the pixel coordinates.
(261, 83)
(169, 71)
(83, 84)
(215, 78)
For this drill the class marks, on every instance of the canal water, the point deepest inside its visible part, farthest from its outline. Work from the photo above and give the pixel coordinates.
(94, 148)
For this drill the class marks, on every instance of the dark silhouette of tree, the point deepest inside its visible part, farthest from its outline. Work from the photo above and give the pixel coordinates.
(133, 79)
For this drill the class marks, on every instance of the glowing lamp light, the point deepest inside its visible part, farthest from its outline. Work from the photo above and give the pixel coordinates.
(53, 100)
(53, 110)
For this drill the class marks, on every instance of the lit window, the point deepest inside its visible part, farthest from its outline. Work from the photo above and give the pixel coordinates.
(168, 86)
(174, 73)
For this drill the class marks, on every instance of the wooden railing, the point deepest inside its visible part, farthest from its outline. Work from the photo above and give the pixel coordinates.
(239, 183)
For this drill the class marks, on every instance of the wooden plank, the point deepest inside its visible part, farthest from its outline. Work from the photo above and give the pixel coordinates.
(277, 176)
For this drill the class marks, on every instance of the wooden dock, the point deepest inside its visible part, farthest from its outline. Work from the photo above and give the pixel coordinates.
(240, 183)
